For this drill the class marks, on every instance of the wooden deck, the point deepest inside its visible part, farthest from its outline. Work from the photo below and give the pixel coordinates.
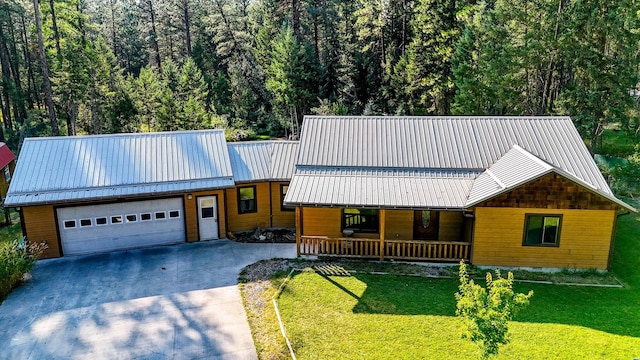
(418, 250)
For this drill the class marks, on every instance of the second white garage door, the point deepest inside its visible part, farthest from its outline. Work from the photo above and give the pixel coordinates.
(100, 228)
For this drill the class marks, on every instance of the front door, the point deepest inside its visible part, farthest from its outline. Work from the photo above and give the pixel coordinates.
(425, 225)
(208, 217)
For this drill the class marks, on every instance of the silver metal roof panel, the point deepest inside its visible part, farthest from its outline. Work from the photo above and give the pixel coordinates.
(129, 164)
(380, 188)
(263, 160)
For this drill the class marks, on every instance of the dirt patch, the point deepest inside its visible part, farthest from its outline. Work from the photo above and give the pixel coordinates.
(265, 235)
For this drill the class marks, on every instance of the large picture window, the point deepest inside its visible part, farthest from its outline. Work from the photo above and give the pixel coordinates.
(283, 192)
(360, 220)
(542, 230)
(247, 200)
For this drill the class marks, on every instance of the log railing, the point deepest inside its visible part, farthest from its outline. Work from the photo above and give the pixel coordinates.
(390, 249)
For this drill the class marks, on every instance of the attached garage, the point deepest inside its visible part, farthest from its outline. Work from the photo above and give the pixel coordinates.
(92, 194)
(124, 225)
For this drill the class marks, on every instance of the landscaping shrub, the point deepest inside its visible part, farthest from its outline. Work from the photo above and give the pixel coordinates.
(16, 259)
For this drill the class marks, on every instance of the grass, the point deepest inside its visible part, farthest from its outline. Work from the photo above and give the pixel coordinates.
(13, 231)
(392, 316)
(616, 143)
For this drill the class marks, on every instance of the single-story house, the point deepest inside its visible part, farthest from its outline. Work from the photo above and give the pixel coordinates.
(7, 164)
(500, 191)
(87, 194)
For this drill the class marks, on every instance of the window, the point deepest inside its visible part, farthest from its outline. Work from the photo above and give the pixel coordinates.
(7, 173)
(283, 192)
(360, 220)
(247, 200)
(116, 219)
(69, 224)
(174, 214)
(145, 217)
(160, 215)
(542, 230)
(131, 218)
(101, 221)
(85, 222)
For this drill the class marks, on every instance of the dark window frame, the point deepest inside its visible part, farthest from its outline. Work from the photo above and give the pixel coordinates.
(68, 224)
(528, 218)
(101, 220)
(250, 210)
(84, 220)
(343, 222)
(282, 195)
(146, 216)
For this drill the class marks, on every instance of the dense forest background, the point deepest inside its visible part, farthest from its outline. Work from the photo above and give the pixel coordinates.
(255, 67)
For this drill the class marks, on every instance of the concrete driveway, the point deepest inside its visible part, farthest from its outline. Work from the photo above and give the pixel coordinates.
(168, 302)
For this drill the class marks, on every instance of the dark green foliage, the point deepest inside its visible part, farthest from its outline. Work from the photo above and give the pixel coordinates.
(16, 259)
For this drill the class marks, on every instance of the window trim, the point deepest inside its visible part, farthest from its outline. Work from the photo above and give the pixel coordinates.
(255, 200)
(86, 226)
(116, 223)
(142, 215)
(359, 231)
(156, 218)
(69, 221)
(126, 218)
(106, 220)
(282, 195)
(173, 217)
(545, 215)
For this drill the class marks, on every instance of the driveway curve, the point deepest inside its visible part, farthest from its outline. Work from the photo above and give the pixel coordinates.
(167, 302)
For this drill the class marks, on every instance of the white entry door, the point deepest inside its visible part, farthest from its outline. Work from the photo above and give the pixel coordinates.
(208, 217)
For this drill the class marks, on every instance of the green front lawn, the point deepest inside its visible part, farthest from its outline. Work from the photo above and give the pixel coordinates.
(366, 316)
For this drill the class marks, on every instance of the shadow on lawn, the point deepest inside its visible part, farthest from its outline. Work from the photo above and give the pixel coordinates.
(610, 310)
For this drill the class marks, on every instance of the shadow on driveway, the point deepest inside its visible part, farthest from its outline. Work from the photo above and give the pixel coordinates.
(168, 302)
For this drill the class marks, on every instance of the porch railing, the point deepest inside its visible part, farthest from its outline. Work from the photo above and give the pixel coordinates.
(389, 249)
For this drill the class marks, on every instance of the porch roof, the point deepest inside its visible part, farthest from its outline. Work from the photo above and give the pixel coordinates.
(380, 188)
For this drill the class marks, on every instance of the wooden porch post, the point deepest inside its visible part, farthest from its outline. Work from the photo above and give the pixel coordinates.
(298, 229)
(383, 221)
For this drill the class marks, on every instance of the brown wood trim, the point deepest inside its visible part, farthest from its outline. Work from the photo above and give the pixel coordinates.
(270, 204)
(226, 212)
(298, 229)
(524, 230)
(59, 238)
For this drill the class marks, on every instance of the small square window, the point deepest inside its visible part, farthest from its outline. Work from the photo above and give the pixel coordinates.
(7, 173)
(131, 218)
(542, 230)
(145, 217)
(247, 200)
(283, 192)
(174, 214)
(101, 221)
(69, 224)
(85, 222)
(160, 215)
(116, 219)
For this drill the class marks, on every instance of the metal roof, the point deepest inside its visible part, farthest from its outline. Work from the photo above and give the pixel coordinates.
(517, 167)
(440, 143)
(443, 143)
(390, 188)
(56, 169)
(263, 160)
(6, 156)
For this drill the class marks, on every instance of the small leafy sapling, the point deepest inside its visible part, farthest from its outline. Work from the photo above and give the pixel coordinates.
(486, 312)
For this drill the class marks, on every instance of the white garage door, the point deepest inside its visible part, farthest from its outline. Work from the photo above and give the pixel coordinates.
(100, 228)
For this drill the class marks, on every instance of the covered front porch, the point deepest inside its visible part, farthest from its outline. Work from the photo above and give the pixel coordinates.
(384, 234)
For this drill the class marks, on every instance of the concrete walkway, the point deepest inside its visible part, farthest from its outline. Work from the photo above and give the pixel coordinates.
(168, 302)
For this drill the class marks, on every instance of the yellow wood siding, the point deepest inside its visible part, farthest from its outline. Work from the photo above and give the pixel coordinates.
(399, 225)
(585, 237)
(4, 185)
(322, 222)
(451, 226)
(249, 221)
(191, 214)
(40, 224)
(280, 218)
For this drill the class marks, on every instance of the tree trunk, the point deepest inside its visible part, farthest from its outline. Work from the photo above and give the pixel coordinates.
(154, 34)
(114, 43)
(6, 80)
(21, 112)
(31, 87)
(187, 26)
(54, 27)
(46, 83)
